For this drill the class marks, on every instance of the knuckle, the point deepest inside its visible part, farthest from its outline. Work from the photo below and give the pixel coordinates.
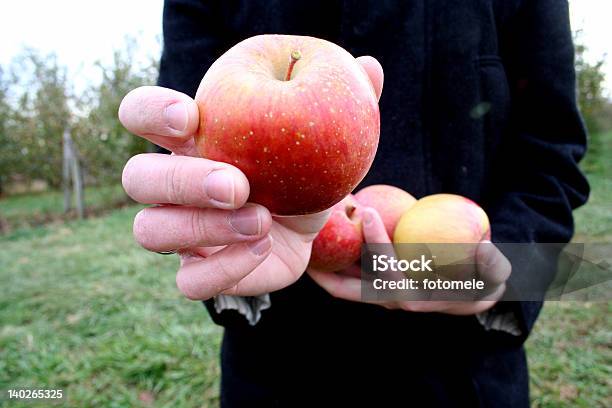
(199, 226)
(175, 182)
(232, 291)
(225, 274)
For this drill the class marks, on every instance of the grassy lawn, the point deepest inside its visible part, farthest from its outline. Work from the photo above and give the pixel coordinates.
(594, 220)
(570, 355)
(570, 349)
(84, 309)
(31, 210)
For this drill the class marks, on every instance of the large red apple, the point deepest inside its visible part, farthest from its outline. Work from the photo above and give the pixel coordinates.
(390, 202)
(338, 244)
(298, 115)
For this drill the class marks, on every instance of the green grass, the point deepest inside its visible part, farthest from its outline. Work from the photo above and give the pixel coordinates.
(570, 349)
(594, 220)
(570, 355)
(83, 308)
(30, 210)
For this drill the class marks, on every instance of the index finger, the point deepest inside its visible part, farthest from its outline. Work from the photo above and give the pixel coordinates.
(152, 178)
(163, 116)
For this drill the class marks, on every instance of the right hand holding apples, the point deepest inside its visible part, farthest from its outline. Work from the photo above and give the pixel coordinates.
(226, 246)
(437, 218)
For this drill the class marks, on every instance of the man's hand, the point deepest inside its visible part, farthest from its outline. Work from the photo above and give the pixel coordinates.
(226, 246)
(493, 268)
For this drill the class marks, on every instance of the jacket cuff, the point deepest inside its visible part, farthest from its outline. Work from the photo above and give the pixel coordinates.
(248, 306)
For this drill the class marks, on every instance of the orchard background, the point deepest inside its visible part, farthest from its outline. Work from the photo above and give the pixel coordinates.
(83, 308)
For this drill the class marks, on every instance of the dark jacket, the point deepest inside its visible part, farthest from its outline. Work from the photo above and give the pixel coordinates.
(479, 100)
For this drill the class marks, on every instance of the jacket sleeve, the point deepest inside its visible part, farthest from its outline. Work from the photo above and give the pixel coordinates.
(538, 179)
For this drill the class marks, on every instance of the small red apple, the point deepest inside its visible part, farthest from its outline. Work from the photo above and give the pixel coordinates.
(298, 115)
(390, 202)
(338, 244)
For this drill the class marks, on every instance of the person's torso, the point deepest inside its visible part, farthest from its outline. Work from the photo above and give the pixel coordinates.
(444, 111)
(446, 97)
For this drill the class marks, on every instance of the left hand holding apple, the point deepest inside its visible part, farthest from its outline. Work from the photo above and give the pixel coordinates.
(226, 246)
(493, 268)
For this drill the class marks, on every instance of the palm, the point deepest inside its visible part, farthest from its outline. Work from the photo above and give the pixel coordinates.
(292, 244)
(289, 257)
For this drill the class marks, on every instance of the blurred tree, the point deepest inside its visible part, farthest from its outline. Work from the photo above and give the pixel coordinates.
(604, 118)
(32, 128)
(593, 103)
(104, 144)
(5, 114)
(590, 79)
(37, 104)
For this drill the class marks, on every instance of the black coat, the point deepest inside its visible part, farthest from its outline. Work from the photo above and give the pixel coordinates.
(479, 100)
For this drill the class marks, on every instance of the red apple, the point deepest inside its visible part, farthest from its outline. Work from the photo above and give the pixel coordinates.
(390, 202)
(338, 244)
(298, 115)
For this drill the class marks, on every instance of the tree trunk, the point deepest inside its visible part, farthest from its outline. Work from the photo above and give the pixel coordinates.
(66, 170)
(72, 174)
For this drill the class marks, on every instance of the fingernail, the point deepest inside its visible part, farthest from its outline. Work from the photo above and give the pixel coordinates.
(176, 116)
(246, 221)
(219, 186)
(262, 246)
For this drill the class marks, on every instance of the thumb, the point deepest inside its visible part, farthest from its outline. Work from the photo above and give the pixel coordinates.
(375, 72)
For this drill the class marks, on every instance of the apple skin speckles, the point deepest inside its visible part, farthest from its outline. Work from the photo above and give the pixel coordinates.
(323, 142)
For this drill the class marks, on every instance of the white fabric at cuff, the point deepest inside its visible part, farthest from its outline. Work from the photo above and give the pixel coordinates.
(252, 306)
(494, 320)
(248, 306)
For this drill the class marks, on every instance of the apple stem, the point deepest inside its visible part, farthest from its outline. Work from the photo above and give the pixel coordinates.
(295, 56)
